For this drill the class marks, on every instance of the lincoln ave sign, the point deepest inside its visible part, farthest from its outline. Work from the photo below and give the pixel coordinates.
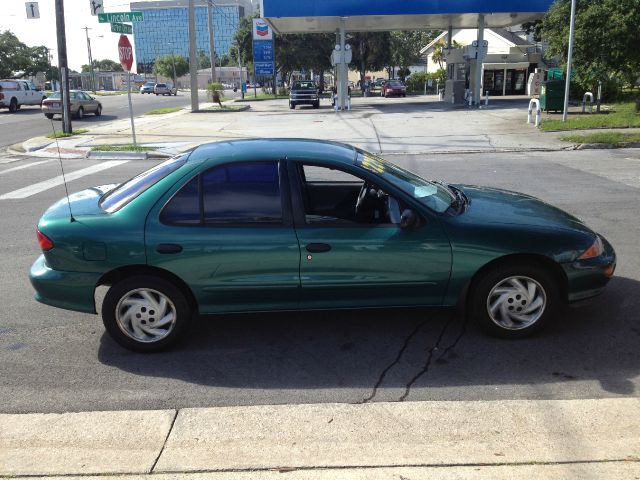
(126, 53)
(120, 17)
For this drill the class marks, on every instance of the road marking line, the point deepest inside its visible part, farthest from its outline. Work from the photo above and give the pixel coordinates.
(11, 160)
(24, 166)
(54, 182)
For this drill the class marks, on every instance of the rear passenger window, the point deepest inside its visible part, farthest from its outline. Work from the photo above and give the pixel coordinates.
(242, 193)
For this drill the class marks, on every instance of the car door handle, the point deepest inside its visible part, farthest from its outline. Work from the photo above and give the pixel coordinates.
(168, 248)
(318, 247)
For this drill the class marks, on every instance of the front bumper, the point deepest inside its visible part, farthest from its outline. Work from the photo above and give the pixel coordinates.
(588, 278)
(304, 99)
(68, 290)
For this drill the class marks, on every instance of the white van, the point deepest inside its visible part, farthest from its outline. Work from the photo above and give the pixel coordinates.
(15, 93)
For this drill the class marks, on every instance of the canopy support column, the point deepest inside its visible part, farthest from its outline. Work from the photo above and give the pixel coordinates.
(477, 87)
(342, 67)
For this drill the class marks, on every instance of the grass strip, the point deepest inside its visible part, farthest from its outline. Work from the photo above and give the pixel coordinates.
(227, 107)
(609, 138)
(619, 115)
(61, 134)
(160, 111)
(122, 148)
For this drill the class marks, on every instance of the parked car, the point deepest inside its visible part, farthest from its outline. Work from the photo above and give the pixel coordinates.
(16, 93)
(379, 82)
(393, 87)
(147, 87)
(165, 89)
(81, 104)
(304, 92)
(258, 225)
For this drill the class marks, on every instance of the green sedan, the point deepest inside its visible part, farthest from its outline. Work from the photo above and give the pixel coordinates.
(266, 225)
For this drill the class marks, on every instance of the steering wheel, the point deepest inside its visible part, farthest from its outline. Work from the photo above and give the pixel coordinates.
(369, 199)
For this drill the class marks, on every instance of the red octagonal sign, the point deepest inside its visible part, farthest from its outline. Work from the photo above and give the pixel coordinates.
(126, 52)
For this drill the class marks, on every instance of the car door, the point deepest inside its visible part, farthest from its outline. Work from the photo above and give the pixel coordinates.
(348, 261)
(228, 234)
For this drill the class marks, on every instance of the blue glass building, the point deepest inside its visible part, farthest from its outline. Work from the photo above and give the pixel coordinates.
(165, 29)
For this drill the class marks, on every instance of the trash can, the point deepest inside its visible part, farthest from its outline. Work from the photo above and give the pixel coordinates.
(552, 96)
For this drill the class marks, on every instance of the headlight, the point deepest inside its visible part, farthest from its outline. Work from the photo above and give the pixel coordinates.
(595, 250)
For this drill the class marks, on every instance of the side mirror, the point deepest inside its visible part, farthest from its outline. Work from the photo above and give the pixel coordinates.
(408, 219)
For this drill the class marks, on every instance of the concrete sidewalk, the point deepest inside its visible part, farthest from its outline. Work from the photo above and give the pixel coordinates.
(489, 439)
(412, 125)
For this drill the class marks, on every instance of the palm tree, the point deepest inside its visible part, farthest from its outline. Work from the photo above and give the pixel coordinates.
(438, 51)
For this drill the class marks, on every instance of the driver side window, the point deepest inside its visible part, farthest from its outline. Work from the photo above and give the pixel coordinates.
(339, 198)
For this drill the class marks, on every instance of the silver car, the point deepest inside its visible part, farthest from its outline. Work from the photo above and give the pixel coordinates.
(165, 89)
(81, 104)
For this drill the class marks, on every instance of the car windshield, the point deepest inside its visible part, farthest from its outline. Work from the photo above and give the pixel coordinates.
(433, 195)
(304, 85)
(127, 191)
(395, 83)
(161, 85)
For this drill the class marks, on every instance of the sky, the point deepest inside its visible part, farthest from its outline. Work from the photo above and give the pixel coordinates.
(77, 13)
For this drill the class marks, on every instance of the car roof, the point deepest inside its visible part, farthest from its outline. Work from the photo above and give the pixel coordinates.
(274, 149)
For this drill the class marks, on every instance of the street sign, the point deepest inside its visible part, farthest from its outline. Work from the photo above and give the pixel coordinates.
(33, 11)
(125, 52)
(122, 28)
(119, 17)
(96, 6)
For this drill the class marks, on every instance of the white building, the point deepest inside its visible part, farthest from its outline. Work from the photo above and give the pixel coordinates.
(509, 60)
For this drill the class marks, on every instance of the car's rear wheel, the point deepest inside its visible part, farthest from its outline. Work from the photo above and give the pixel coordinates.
(80, 114)
(13, 105)
(49, 115)
(316, 105)
(514, 301)
(145, 313)
(99, 111)
(292, 105)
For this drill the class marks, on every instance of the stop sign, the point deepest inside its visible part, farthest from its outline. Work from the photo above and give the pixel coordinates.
(126, 52)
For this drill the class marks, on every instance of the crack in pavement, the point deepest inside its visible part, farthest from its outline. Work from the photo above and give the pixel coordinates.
(393, 363)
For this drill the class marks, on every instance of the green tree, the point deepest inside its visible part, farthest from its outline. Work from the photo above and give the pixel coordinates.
(38, 61)
(170, 64)
(371, 51)
(607, 36)
(438, 51)
(15, 56)
(203, 60)
(105, 65)
(405, 47)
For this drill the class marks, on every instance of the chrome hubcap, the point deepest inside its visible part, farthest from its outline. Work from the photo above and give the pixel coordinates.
(145, 315)
(516, 303)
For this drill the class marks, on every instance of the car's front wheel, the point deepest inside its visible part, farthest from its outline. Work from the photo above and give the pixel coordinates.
(80, 114)
(514, 301)
(99, 110)
(145, 313)
(49, 115)
(292, 105)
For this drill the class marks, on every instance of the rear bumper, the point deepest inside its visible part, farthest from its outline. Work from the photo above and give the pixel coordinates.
(68, 290)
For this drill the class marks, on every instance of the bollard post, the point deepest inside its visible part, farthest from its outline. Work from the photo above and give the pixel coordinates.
(536, 102)
(584, 102)
(486, 97)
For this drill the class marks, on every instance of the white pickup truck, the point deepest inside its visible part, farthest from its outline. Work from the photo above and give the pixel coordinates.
(15, 93)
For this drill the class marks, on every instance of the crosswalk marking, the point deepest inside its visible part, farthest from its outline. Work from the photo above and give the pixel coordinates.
(53, 182)
(21, 167)
(10, 159)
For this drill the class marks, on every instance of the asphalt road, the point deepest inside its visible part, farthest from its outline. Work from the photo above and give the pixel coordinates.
(53, 360)
(29, 121)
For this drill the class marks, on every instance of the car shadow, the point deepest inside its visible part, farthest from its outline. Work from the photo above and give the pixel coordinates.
(89, 117)
(400, 349)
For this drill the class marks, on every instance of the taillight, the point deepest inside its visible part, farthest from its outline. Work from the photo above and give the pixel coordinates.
(45, 242)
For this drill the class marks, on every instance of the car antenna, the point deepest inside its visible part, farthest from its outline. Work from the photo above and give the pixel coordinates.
(64, 180)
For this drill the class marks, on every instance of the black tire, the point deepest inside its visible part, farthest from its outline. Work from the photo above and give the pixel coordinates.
(481, 296)
(156, 94)
(80, 114)
(292, 106)
(316, 105)
(13, 105)
(99, 111)
(176, 303)
(49, 115)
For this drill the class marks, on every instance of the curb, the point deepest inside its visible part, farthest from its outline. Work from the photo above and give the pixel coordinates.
(606, 146)
(127, 155)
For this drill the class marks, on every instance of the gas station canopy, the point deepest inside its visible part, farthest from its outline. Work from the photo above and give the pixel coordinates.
(309, 16)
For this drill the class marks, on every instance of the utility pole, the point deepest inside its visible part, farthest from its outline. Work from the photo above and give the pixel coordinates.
(212, 50)
(567, 84)
(241, 79)
(62, 65)
(193, 57)
(93, 78)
